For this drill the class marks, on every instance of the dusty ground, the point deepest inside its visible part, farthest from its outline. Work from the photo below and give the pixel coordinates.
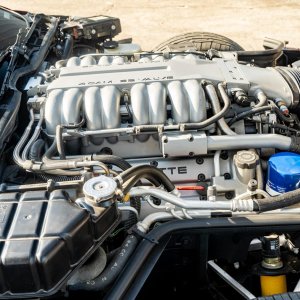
(150, 22)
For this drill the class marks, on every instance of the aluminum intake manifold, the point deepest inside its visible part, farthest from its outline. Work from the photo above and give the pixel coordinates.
(160, 91)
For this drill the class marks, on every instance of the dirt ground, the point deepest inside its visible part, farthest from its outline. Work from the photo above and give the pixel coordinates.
(151, 22)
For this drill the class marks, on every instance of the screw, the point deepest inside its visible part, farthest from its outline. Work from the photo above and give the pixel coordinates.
(236, 265)
(199, 160)
(154, 163)
(165, 140)
(191, 154)
(156, 201)
(229, 195)
(252, 185)
(227, 176)
(224, 155)
(190, 138)
(201, 177)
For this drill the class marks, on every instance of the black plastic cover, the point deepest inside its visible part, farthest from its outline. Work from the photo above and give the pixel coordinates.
(43, 238)
(286, 296)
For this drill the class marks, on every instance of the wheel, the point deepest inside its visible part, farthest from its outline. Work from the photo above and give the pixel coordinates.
(201, 41)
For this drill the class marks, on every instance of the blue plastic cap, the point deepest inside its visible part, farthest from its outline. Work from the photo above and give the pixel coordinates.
(283, 173)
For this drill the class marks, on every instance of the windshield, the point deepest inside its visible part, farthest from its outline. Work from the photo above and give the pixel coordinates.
(10, 24)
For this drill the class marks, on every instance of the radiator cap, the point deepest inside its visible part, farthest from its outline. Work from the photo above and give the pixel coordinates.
(99, 189)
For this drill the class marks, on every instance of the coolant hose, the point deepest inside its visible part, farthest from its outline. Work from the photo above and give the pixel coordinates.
(113, 269)
(140, 171)
(35, 152)
(133, 181)
(117, 161)
(277, 202)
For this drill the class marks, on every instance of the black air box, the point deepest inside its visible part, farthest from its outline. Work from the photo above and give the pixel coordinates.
(43, 238)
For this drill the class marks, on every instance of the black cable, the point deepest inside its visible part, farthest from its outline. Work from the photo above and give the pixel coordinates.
(282, 117)
(247, 113)
(277, 126)
(257, 110)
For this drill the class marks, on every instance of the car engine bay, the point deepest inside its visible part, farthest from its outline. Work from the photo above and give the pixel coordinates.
(125, 173)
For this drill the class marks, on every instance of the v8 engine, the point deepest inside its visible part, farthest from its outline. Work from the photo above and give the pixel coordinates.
(166, 110)
(115, 160)
(118, 100)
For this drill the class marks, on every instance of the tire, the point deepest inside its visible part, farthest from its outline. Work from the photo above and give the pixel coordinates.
(202, 41)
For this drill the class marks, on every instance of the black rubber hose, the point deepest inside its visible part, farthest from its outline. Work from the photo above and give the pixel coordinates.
(112, 160)
(141, 171)
(68, 47)
(282, 117)
(277, 202)
(106, 159)
(133, 181)
(35, 152)
(257, 110)
(248, 113)
(113, 269)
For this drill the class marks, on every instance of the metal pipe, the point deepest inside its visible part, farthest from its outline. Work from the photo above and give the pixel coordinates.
(20, 145)
(230, 205)
(261, 97)
(34, 136)
(148, 221)
(129, 208)
(60, 142)
(231, 281)
(216, 107)
(210, 89)
(226, 142)
(217, 163)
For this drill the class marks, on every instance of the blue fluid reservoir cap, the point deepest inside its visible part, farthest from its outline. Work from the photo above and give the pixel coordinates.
(283, 173)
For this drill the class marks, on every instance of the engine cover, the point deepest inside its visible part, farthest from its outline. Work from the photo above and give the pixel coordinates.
(40, 232)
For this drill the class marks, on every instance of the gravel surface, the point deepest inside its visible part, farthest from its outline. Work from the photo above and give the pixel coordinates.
(150, 22)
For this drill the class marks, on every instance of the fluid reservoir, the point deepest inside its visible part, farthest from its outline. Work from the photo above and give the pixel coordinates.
(283, 173)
